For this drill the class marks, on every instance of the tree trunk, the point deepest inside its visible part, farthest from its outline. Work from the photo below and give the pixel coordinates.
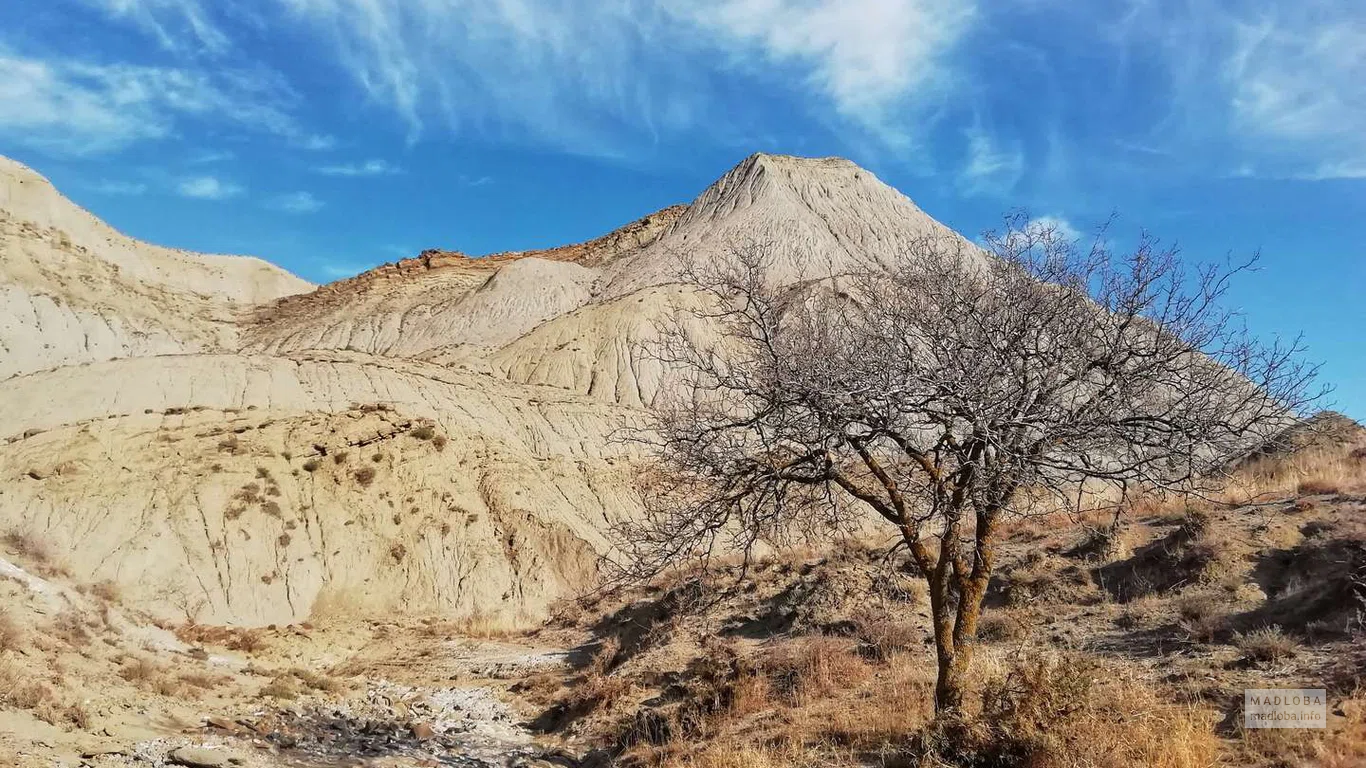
(948, 688)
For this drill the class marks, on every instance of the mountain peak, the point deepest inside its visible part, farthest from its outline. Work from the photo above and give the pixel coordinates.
(827, 213)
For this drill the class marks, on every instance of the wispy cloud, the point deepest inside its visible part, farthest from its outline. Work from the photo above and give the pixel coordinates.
(318, 142)
(177, 25)
(81, 107)
(118, 188)
(1296, 83)
(580, 75)
(367, 168)
(296, 202)
(1248, 89)
(209, 188)
(209, 156)
(990, 167)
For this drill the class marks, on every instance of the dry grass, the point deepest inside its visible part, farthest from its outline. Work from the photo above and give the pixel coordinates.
(20, 689)
(1342, 745)
(1313, 472)
(203, 680)
(244, 639)
(1060, 711)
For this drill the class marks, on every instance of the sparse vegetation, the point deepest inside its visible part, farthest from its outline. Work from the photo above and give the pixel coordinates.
(364, 476)
(423, 432)
(311, 465)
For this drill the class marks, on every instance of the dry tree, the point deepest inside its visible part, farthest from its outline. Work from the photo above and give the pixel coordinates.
(941, 392)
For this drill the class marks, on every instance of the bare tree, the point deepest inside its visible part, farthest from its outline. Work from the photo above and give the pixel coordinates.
(942, 393)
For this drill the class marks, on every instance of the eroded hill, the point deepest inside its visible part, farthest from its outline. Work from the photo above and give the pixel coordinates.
(231, 445)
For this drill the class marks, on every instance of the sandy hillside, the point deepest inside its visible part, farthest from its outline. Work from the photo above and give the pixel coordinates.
(231, 446)
(74, 290)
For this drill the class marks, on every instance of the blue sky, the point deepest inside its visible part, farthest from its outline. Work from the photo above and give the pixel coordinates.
(332, 135)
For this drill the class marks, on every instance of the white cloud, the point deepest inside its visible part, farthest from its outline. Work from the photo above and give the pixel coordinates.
(208, 188)
(367, 168)
(80, 108)
(297, 202)
(119, 188)
(1057, 225)
(990, 168)
(864, 55)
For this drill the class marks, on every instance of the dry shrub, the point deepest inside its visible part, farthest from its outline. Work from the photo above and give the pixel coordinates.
(1203, 614)
(1046, 580)
(312, 465)
(70, 627)
(316, 681)
(12, 636)
(340, 457)
(140, 671)
(284, 687)
(803, 670)
(1266, 644)
(1002, 627)
(423, 432)
(203, 680)
(19, 687)
(106, 590)
(731, 755)
(1318, 486)
(365, 476)
(439, 442)
(1061, 711)
(34, 551)
(882, 635)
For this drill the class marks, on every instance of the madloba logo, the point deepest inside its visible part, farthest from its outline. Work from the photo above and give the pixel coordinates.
(1285, 708)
